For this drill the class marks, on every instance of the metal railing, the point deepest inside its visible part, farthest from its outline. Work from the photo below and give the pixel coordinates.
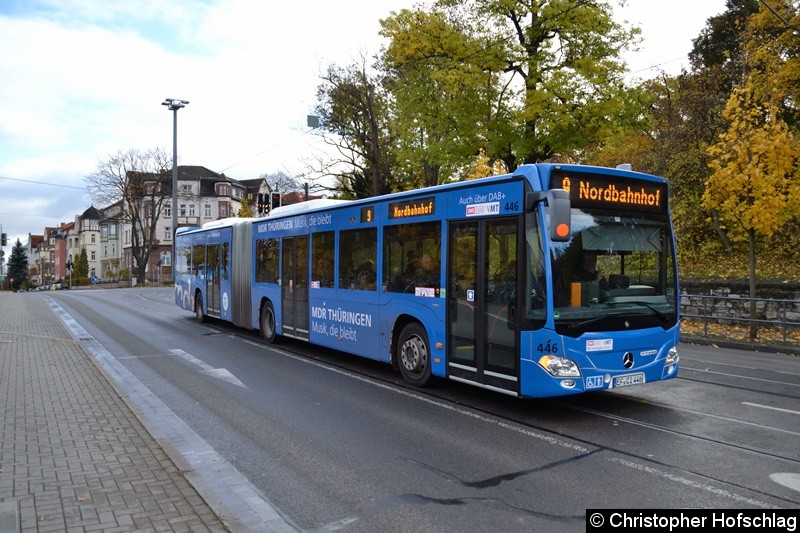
(774, 313)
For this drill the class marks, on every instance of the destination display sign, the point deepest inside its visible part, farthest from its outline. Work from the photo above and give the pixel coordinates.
(602, 191)
(412, 208)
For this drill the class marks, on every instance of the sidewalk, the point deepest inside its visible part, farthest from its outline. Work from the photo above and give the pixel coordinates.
(73, 456)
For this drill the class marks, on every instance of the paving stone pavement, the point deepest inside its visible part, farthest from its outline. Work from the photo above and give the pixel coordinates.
(73, 455)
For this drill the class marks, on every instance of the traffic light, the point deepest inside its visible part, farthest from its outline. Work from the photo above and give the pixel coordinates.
(4, 240)
(275, 200)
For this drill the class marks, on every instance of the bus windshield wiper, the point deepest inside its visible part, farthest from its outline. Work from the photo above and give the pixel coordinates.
(576, 325)
(582, 323)
(660, 314)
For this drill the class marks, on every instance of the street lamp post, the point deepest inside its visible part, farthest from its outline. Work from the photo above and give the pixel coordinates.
(173, 104)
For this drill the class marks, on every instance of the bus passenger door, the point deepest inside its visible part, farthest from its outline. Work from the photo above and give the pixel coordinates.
(294, 287)
(212, 280)
(482, 273)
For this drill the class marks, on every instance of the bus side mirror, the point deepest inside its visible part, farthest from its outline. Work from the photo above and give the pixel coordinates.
(558, 211)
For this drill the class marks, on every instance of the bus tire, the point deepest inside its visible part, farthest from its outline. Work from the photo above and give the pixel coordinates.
(414, 355)
(198, 308)
(266, 322)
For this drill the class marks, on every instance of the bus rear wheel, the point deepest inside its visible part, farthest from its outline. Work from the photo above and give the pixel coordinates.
(198, 308)
(267, 323)
(414, 355)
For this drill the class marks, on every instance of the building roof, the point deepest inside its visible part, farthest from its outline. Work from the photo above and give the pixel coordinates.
(91, 214)
(253, 184)
(196, 172)
(295, 197)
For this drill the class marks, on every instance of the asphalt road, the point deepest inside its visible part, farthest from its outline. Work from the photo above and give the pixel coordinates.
(336, 442)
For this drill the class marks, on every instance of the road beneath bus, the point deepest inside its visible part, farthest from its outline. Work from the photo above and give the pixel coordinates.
(336, 442)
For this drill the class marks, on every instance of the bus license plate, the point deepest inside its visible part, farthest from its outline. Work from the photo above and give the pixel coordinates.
(629, 379)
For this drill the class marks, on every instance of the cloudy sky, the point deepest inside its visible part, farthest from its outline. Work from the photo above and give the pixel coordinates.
(82, 79)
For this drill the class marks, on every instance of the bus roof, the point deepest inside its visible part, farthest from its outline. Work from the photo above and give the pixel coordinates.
(225, 222)
(320, 203)
(533, 173)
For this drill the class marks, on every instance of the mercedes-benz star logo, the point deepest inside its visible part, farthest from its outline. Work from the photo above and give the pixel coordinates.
(627, 360)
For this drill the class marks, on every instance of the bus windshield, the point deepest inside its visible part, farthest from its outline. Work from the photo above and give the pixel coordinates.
(616, 272)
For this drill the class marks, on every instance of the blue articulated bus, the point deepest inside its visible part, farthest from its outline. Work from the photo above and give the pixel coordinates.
(551, 280)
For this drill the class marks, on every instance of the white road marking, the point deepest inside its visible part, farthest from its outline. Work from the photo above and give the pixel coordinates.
(787, 479)
(772, 408)
(219, 373)
(740, 376)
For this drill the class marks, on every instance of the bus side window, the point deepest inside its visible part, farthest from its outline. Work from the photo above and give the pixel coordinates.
(322, 253)
(412, 256)
(267, 261)
(357, 252)
(198, 260)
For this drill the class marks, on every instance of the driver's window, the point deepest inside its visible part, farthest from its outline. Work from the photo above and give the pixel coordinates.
(536, 278)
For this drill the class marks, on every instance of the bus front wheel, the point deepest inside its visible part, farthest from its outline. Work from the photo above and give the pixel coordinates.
(267, 323)
(414, 355)
(198, 308)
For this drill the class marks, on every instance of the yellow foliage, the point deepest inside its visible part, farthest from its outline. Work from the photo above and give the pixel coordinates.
(738, 332)
(754, 180)
(485, 167)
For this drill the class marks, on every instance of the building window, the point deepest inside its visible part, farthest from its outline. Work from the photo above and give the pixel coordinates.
(207, 211)
(183, 210)
(166, 258)
(191, 210)
(168, 210)
(112, 229)
(223, 210)
(93, 258)
(105, 250)
(113, 249)
(186, 189)
(93, 238)
(168, 233)
(104, 232)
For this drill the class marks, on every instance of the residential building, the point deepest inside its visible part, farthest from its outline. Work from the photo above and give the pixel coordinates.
(203, 196)
(63, 250)
(47, 254)
(86, 235)
(111, 227)
(33, 248)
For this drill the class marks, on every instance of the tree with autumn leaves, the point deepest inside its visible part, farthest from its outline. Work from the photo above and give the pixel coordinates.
(463, 80)
(755, 164)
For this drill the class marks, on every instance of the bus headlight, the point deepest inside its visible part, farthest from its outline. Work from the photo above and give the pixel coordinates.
(560, 367)
(672, 357)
